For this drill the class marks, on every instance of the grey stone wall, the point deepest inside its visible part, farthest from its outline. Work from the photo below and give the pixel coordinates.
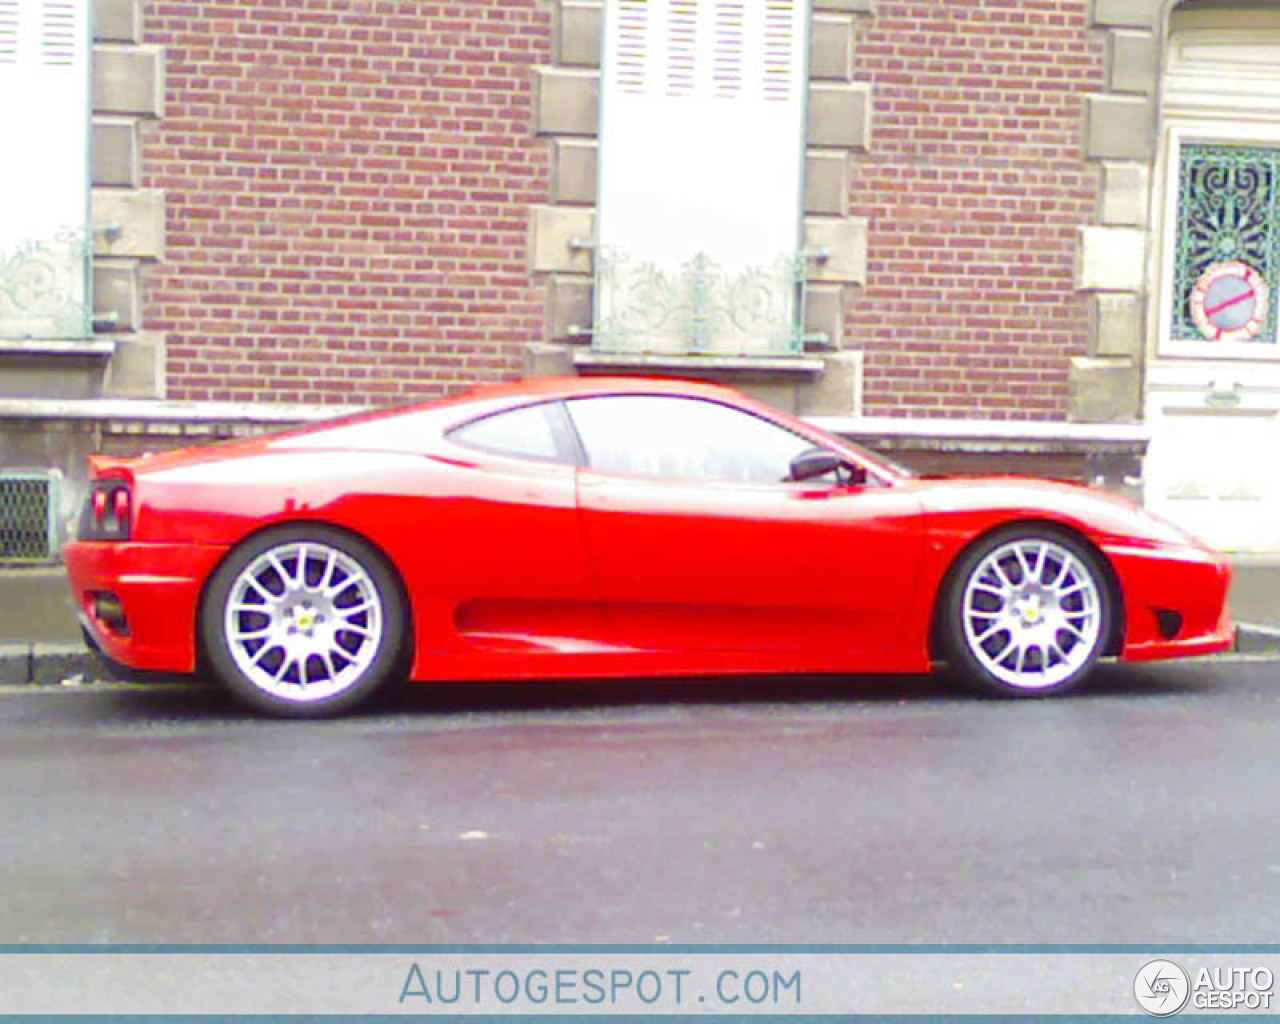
(128, 220)
(1120, 133)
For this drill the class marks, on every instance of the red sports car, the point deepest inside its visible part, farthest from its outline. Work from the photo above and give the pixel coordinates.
(613, 527)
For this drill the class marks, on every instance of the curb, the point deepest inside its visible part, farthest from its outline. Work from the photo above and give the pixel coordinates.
(1253, 638)
(47, 663)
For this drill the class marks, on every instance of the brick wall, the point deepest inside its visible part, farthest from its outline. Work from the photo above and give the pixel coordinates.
(348, 184)
(975, 186)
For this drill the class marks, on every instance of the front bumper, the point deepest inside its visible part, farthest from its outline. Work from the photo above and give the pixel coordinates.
(158, 586)
(1189, 583)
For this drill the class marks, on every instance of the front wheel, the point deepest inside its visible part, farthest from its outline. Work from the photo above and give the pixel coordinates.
(303, 621)
(1026, 613)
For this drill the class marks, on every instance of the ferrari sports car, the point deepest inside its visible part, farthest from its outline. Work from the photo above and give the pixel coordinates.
(604, 527)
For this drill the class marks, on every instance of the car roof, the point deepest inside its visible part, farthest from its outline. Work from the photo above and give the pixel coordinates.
(569, 387)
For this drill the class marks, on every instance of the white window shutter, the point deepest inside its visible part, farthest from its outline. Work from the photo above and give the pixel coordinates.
(701, 175)
(44, 173)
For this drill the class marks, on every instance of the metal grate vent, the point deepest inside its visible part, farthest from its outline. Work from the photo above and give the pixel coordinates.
(8, 31)
(779, 39)
(28, 516)
(633, 45)
(682, 46)
(730, 40)
(58, 35)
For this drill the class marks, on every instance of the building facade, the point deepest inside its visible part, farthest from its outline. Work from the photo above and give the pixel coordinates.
(1029, 233)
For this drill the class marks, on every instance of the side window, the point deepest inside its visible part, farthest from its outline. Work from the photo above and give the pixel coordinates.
(655, 435)
(526, 432)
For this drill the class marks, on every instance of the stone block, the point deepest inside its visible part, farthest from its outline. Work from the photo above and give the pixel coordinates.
(831, 47)
(1105, 390)
(117, 295)
(128, 222)
(569, 309)
(851, 6)
(1120, 127)
(1118, 324)
(137, 368)
(573, 176)
(844, 240)
(826, 186)
(837, 391)
(1126, 193)
(117, 21)
(115, 152)
(1135, 62)
(559, 239)
(1138, 13)
(128, 80)
(579, 29)
(1111, 259)
(824, 315)
(566, 101)
(546, 360)
(840, 114)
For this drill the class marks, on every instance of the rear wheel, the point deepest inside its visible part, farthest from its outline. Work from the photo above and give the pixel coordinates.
(303, 621)
(1026, 613)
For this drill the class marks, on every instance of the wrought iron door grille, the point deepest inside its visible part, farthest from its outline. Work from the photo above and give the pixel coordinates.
(1228, 204)
(28, 516)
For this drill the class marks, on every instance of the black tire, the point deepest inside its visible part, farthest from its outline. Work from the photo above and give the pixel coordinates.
(1026, 612)
(330, 648)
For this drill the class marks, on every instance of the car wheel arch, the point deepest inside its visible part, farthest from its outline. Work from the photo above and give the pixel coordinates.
(1114, 642)
(324, 526)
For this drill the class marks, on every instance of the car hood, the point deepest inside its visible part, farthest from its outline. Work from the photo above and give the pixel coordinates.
(1102, 515)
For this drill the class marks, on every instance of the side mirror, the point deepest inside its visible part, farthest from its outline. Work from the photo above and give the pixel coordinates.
(816, 462)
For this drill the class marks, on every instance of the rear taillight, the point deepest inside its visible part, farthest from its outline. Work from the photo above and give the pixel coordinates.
(107, 510)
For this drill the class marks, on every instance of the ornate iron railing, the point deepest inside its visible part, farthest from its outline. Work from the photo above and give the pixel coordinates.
(699, 308)
(43, 287)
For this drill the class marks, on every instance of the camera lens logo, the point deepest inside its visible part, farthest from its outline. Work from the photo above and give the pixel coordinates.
(1162, 988)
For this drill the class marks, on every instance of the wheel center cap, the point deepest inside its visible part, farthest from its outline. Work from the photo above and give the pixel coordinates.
(304, 619)
(1030, 611)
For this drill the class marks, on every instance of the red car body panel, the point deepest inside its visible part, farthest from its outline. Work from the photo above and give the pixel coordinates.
(524, 568)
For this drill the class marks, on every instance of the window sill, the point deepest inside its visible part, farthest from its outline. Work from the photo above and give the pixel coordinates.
(591, 360)
(82, 347)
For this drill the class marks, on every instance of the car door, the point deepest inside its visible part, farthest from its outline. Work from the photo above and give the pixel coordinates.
(698, 543)
(521, 580)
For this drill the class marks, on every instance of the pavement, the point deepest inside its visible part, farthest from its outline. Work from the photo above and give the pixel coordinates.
(40, 640)
(1255, 602)
(800, 810)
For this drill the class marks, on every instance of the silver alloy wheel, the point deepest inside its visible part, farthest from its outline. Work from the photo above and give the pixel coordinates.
(1032, 613)
(303, 621)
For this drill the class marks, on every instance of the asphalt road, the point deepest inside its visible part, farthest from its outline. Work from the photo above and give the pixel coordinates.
(1142, 810)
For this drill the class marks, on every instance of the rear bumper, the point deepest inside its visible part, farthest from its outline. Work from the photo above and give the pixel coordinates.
(1191, 583)
(157, 585)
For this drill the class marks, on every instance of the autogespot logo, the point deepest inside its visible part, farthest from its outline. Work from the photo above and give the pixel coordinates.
(1162, 988)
